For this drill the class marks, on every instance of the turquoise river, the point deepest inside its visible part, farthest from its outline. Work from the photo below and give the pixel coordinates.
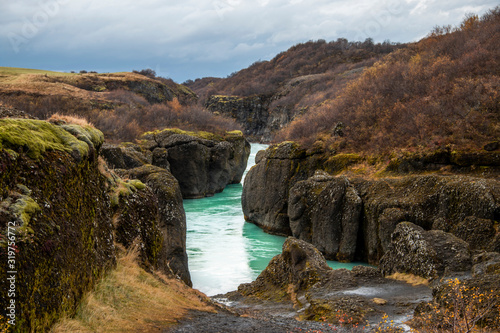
(224, 250)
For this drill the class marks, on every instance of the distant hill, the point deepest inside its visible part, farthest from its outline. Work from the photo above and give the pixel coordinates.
(122, 105)
(440, 92)
(274, 92)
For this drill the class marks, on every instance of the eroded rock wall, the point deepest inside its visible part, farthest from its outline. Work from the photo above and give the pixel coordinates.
(203, 163)
(62, 211)
(354, 217)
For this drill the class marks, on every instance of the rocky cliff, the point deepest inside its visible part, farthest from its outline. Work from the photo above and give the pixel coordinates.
(354, 217)
(203, 163)
(61, 214)
(254, 113)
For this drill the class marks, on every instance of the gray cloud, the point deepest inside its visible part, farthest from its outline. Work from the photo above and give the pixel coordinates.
(191, 39)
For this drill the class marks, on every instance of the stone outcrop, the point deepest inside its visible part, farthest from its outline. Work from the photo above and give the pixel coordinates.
(300, 280)
(56, 212)
(429, 254)
(172, 218)
(202, 162)
(354, 217)
(251, 112)
(61, 214)
(325, 211)
(300, 264)
(125, 156)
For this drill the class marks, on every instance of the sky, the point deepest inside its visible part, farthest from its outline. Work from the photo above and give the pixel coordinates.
(191, 39)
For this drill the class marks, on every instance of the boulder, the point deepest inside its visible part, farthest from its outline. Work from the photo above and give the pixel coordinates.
(429, 254)
(448, 203)
(297, 268)
(325, 211)
(479, 233)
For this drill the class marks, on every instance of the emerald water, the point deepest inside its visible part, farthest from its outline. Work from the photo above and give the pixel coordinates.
(224, 250)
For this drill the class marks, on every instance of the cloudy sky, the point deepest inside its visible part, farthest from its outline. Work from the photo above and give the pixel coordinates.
(190, 39)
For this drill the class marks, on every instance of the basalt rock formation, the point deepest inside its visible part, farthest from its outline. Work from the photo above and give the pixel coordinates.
(172, 218)
(354, 217)
(258, 119)
(301, 278)
(61, 214)
(429, 254)
(202, 162)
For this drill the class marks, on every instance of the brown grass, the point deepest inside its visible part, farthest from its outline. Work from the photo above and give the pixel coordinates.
(69, 119)
(130, 299)
(409, 278)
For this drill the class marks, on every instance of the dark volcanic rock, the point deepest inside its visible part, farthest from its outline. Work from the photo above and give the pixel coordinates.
(251, 112)
(432, 202)
(325, 211)
(299, 283)
(137, 222)
(203, 163)
(300, 265)
(279, 197)
(125, 156)
(57, 209)
(479, 233)
(173, 258)
(430, 254)
(267, 186)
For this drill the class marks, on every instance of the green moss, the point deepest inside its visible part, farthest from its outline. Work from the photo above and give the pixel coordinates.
(340, 162)
(122, 188)
(137, 184)
(36, 137)
(198, 134)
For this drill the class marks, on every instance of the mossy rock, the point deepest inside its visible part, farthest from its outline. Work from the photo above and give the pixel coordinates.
(68, 244)
(35, 137)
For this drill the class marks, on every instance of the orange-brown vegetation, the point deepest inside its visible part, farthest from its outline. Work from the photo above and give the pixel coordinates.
(130, 299)
(313, 57)
(122, 105)
(441, 91)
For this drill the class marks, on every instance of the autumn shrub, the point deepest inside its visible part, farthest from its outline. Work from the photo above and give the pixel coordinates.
(126, 97)
(125, 116)
(462, 308)
(443, 90)
(312, 57)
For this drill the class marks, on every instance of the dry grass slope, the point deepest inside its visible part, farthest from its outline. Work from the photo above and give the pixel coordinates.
(130, 299)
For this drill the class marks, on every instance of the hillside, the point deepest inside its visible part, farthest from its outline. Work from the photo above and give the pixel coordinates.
(122, 105)
(440, 92)
(272, 93)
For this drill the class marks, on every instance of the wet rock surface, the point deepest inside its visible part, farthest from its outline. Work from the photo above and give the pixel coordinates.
(299, 285)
